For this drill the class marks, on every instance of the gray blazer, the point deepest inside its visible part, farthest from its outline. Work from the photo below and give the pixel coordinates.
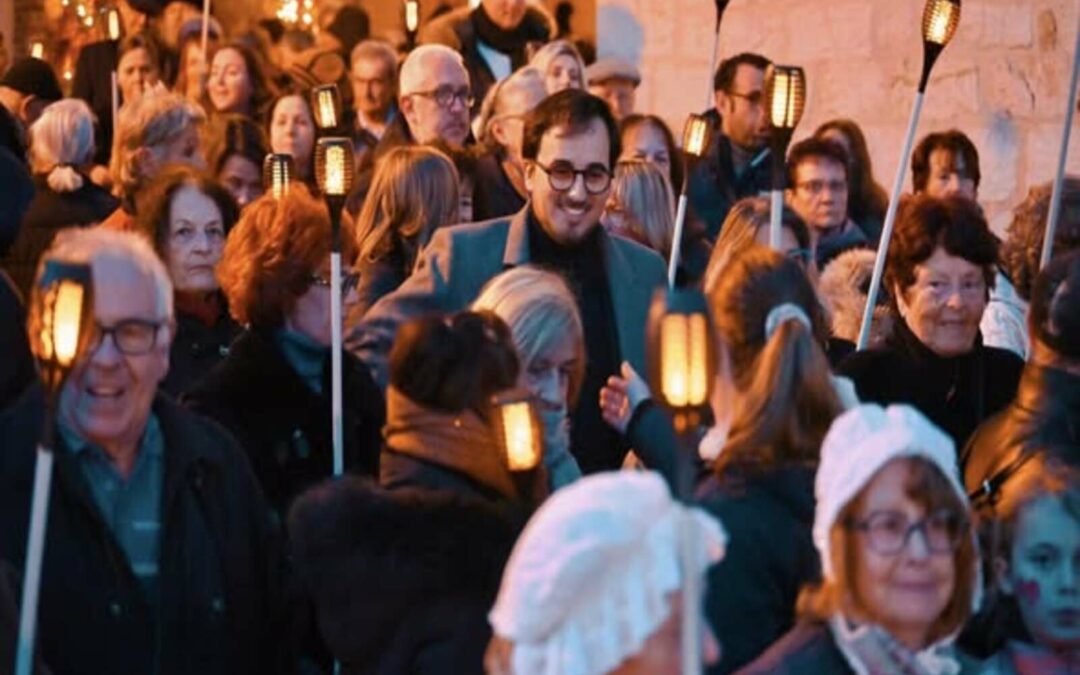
(460, 259)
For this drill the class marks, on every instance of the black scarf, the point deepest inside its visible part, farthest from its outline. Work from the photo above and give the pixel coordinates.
(513, 43)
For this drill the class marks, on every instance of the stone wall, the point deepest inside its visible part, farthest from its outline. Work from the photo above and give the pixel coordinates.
(1003, 80)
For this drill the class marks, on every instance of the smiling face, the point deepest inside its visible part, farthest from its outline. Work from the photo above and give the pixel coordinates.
(292, 131)
(106, 400)
(1044, 573)
(944, 305)
(195, 241)
(230, 86)
(568, 216)
(904, 593)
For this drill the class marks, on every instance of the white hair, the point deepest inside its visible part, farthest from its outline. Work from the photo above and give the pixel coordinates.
(61, 140)
(494, 103)
(98, 246)
(419, 62)
(154, 119)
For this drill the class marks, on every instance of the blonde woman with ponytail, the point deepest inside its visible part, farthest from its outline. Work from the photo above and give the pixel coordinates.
(773, 403)
(61, 152)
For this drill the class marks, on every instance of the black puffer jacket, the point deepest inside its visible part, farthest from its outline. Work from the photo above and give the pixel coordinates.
(282, 424)
(197, 348)
(219, 610)
(401, 579)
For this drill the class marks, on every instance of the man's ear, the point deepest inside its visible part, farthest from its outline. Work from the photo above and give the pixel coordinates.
(901, 302)
(530, 171)
(497, 132)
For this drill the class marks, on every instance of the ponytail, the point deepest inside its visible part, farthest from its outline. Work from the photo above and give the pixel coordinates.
(64, 178)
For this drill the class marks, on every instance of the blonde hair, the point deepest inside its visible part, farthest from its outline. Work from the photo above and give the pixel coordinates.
(413, 192)
(153, 120)
(543, 57)
(540, 310)
(643, 191)
(739, 232)
(61, 140)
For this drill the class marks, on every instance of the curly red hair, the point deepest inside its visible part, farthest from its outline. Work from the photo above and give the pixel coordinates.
(272, 252)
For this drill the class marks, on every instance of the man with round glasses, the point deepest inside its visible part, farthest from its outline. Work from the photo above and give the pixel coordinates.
(159, 550)
(569, 146)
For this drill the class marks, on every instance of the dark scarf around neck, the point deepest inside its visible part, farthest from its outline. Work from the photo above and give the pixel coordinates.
(509, 42)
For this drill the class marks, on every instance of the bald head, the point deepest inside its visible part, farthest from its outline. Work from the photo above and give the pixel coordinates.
(434, 95)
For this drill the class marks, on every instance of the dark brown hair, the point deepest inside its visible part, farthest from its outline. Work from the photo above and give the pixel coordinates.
(631, 122)
(272, 252)
(571, 108)
(866, 199)
(954, 223)
(725, 73)
(235, 134)
(815, 148)
(953, 142)
(786, 397)
(1022, 248)
(140, 41)
(454, 364)
(261, 92)
(153, 217)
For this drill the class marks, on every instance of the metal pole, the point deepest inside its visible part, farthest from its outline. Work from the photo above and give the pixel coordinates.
(35, 549)
(890, 221)
(776, 216)
(336, 353)
(691, 601)
(710, 95)
(676, 239)
(1063, 154)
(205, 31)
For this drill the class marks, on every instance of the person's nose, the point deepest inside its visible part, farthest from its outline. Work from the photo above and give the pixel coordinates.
(201, 244)
(955, 299)
(952, 186)
(1069, 577)
(548, 389)
(105, 354)
(917, 547)
(577, 188)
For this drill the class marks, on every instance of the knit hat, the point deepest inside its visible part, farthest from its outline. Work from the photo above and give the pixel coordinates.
(1055, 305)
(588, 580)
(33, 77)
(612, 69)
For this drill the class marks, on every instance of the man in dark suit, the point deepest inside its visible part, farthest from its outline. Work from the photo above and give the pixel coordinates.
(570, 145)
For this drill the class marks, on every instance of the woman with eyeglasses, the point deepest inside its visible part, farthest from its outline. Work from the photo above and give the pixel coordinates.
(273, 391)
(402, 575)
(941, 266)
(900, 561)
(187, 217)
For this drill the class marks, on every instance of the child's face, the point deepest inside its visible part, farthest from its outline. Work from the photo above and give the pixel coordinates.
(1044, 573)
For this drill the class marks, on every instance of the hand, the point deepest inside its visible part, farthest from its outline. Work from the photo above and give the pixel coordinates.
(621, 397)
(497, 656)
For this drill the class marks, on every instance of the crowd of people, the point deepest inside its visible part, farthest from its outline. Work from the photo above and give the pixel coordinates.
(909, 508)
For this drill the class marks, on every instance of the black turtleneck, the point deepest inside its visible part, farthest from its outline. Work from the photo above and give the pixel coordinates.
(956, 393)
(593, 443)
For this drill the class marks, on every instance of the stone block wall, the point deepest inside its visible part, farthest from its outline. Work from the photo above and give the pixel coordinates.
(1003, 80)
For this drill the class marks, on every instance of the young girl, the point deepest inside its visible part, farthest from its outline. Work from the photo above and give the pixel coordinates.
(1037, 566)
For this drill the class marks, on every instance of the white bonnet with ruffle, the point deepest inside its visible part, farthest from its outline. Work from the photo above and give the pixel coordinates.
(587, 582)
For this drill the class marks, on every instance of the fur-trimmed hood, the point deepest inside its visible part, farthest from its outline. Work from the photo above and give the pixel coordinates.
(842, 288)
(371, 557)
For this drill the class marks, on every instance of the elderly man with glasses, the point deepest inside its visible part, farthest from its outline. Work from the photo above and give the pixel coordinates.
(569, 146)
(160, 552)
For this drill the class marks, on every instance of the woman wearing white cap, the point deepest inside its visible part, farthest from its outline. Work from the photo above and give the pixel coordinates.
(594, 588)
(899, 556)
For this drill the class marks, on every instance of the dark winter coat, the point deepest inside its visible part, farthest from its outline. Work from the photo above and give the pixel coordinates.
(282, 424)
(92, 84)
(50, 212)
(751, 593)
(218, 610)
(401, 579)
(1045, 413)
(957, 394)
(494, 196)
(713, 186)
(807, 648)
(17, 368)
(197, 348)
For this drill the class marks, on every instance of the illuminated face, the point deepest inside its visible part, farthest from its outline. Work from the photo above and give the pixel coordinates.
(944, 305)
(949, 175)
(230, 86)
(1044, 573)
(107, 398)
(563, 72)
(310, 314)
(135, 73)
(292, 131)
(820, 193)
(744, 121)
(906, 592)
(373, 89)
(506, 14)
(242, 178)
(195, 241)
(194, 66)
(436, 107)
(645, 141)
(569, 215)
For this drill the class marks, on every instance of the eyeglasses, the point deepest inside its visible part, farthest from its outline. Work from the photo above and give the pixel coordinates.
(971, 289)
(444, 97)
(816, 187)
(348, 281)
(562, 175)
(888, 532)
(753, 98)
(132, 337)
